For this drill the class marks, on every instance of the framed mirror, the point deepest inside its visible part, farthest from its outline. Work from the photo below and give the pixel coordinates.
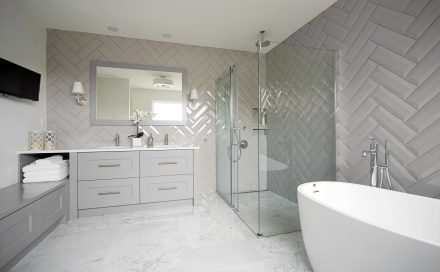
(118, 89)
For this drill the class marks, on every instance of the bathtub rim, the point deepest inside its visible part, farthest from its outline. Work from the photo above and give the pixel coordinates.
(301, 190)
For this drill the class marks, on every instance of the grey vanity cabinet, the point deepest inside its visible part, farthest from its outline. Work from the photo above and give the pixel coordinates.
(166, 175)
(108, 180)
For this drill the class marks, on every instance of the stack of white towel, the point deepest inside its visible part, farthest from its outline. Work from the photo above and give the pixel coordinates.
(49, 169)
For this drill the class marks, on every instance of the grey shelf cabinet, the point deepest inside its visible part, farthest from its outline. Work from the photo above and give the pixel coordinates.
(25, 225)
(17, 231)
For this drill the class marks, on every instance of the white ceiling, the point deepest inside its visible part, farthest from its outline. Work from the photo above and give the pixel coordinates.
(230, 24)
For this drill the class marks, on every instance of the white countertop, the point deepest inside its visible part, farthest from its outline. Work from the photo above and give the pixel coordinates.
(108, 149)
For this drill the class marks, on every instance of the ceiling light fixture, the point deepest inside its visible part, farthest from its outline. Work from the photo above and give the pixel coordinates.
(163, 82)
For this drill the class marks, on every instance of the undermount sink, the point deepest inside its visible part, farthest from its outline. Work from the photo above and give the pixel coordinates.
(164, 146)
(114, 147)
(128, 147)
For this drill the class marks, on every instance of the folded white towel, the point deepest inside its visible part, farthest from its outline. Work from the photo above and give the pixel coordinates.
(43, 173)
(46, 178)
(49, 160)
(44, 167)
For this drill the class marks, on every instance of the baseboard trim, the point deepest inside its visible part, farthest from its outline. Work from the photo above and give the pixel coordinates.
(135, 207)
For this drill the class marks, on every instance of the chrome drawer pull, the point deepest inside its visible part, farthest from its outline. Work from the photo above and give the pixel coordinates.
(166, 163)
(109, 165)
(167, 188)
(109, 193)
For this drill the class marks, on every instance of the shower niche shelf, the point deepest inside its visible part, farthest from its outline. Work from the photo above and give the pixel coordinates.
(259, 127)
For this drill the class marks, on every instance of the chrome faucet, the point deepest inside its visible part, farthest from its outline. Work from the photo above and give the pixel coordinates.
(166, 139)
(150, 140)
(378, 171)
(117, 139)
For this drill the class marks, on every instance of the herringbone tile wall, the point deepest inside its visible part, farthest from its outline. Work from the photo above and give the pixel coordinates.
(300, 102)
(389, 85)
(68, 60)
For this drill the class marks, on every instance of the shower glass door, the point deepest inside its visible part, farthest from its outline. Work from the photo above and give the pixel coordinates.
(226, 171)
(275, 129)
(237, 139)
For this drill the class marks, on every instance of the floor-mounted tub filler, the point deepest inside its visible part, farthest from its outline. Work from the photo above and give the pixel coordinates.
(350, 227)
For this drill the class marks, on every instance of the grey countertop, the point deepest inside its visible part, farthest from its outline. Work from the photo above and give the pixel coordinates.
(17, 196)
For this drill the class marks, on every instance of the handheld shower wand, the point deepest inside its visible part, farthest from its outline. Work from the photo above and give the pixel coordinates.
(378, 171)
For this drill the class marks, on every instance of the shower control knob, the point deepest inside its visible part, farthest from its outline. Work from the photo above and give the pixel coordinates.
(364, 154)
(243, 144)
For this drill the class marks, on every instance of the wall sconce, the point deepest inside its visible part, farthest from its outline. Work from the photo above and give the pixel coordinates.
(78, 91)
(193, 95)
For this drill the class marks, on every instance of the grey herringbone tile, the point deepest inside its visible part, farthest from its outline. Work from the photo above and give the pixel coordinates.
(401, 75)
(68, 59)
(301, 127)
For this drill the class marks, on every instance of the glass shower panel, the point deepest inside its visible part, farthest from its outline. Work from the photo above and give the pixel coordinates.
(296, 113)
(275, 129)
(223, 137)
(246, 139)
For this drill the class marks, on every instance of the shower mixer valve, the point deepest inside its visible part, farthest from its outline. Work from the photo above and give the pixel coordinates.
(378, 171)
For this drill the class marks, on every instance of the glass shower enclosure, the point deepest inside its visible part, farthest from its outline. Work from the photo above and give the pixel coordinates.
(275, 129)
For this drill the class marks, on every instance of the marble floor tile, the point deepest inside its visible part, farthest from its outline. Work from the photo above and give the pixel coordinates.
(207, 237)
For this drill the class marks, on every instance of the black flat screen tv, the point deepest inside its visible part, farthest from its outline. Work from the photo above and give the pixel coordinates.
(18, 81)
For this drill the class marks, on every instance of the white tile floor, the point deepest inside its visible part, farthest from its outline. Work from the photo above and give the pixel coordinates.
(208, 237)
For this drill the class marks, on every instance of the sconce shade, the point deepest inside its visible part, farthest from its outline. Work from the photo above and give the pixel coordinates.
(193, 96)
(77, 88)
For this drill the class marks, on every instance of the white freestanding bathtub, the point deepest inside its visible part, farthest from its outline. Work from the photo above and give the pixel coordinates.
(354, 228)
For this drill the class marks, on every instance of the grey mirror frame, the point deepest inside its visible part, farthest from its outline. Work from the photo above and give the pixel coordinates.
(96, 122)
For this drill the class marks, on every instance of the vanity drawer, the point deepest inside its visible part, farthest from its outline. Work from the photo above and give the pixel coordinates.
(108, 165)
(165, 188)
(166, 163)
(106, 193)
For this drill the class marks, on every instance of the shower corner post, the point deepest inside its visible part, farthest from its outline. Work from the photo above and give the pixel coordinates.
(259, 234)
(336, 72)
